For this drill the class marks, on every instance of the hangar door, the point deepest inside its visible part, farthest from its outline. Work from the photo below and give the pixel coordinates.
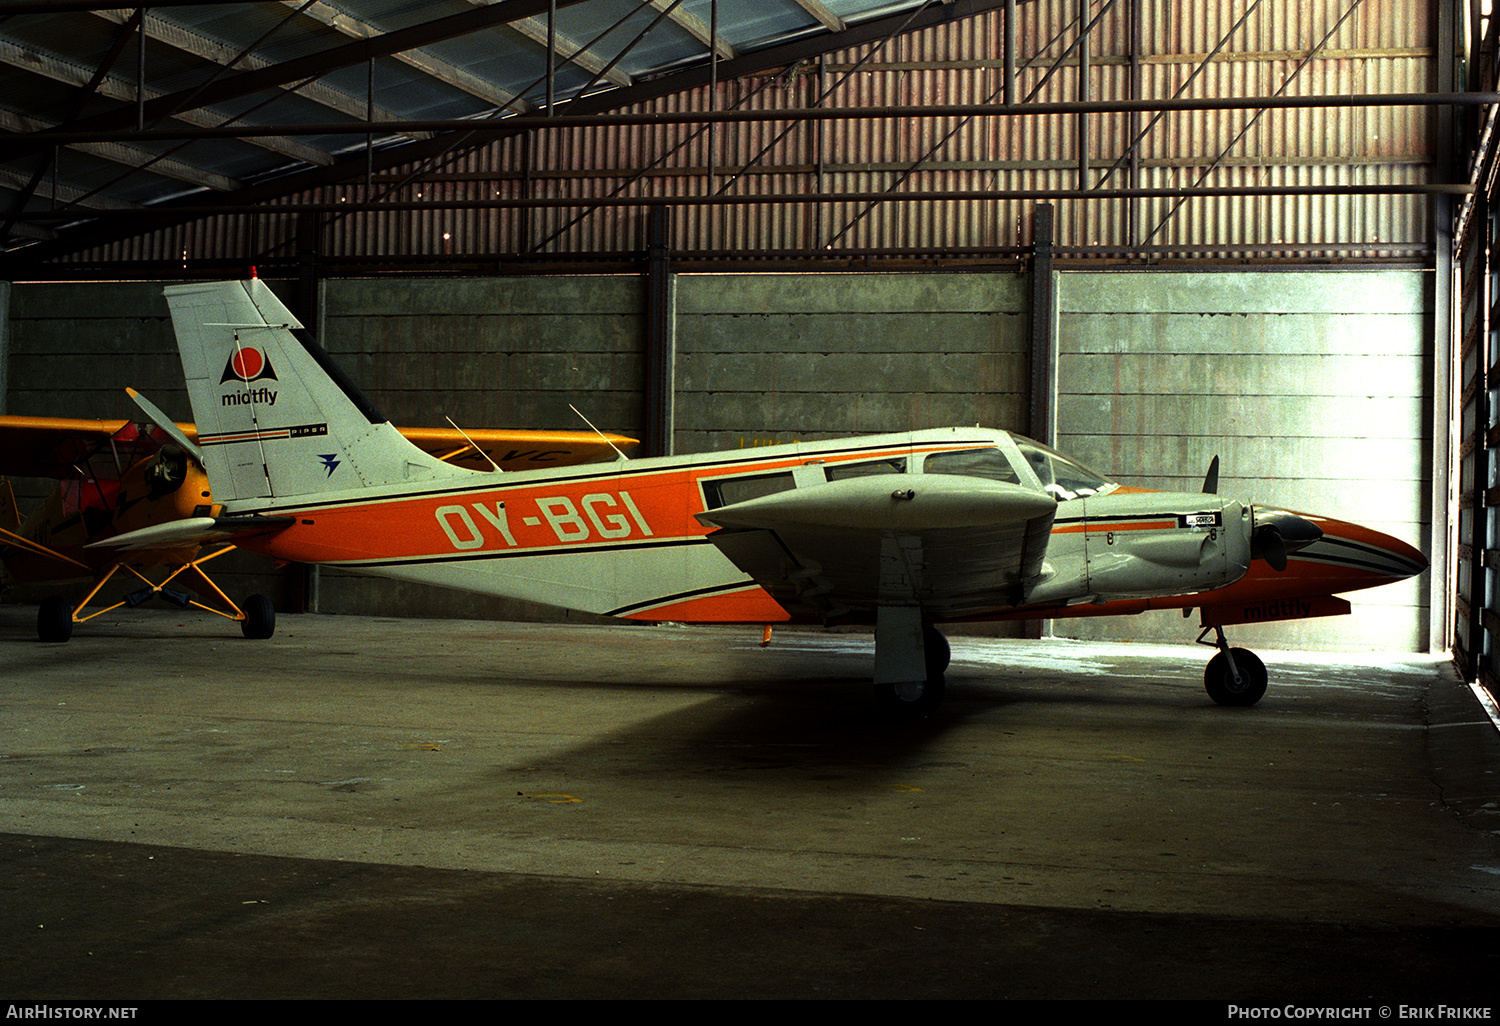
(1314, 389)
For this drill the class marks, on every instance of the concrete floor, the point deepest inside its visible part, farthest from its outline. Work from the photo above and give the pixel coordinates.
(397, 808)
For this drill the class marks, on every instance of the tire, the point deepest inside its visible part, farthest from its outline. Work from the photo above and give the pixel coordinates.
(54, 620)
(912, 701)
(1219, 681)
(937, 652)
(260, 618)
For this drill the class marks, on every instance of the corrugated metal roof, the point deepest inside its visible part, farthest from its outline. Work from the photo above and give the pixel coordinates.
(62, 67)
(427, 193)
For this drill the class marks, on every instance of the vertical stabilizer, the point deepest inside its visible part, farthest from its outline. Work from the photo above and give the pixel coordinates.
(276, 419)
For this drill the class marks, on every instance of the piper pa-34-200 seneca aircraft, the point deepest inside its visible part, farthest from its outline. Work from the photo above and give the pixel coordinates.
(902, 531)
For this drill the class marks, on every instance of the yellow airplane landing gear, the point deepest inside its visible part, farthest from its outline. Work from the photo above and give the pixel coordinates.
(257, 618)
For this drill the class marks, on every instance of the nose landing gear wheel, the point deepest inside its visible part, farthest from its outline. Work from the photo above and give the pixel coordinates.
(1219, 678)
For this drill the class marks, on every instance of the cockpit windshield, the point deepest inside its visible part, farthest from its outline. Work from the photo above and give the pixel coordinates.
(1063, 477)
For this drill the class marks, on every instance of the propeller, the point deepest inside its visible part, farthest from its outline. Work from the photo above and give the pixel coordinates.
(164, 422)
(1279, 532)
(1266, 543)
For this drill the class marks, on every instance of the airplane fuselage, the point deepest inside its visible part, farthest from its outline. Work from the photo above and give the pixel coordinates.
(539, 536)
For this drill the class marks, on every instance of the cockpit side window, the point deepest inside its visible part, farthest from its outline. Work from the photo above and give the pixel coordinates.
(1063, 478)
(990, 464)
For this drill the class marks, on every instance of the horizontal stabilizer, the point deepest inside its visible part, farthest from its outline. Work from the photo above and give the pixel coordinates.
(199, 530)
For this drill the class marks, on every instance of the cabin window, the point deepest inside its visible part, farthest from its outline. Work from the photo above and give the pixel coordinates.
(1062, 477)
(989, 464)
(866, 468)
(728, 491)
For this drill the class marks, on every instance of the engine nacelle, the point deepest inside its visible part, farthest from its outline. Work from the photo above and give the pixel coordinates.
(1146, 544)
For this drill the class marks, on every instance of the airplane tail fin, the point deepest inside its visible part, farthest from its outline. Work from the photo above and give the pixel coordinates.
(277, 419)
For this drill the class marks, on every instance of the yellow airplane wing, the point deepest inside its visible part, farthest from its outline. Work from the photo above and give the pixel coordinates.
(518, 450)
(50, 446)
(54, 446)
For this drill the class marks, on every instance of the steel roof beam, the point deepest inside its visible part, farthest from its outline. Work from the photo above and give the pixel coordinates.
(427, 64)
(568, 50)
(764, 199)
(570, 120)
(359, 166)
(117, 89)
(359, 51)
(695, 27)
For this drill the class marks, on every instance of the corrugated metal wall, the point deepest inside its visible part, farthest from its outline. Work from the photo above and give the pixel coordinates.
(1138, 49)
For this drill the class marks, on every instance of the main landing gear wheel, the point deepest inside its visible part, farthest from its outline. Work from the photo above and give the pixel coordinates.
(912, 700)
(1223, 688)
(260, 618)
(917, 699)
(935, 650)
(54, 619)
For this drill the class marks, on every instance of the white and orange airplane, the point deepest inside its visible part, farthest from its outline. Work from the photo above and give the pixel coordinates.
(901, 531)
(118, 478)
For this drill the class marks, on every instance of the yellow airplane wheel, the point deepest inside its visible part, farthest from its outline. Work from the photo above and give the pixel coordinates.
(260, 617)
(54, 619)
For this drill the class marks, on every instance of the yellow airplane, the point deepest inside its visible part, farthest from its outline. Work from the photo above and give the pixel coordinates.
(117, 477)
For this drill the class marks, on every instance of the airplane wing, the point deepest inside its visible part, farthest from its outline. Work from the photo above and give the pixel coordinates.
(53, 447)
(948, 544)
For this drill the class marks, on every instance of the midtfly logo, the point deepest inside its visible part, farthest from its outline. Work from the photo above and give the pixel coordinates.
(248, 364)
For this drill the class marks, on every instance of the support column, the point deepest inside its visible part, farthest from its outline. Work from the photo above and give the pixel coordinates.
(302, 579)
(1042, 421)
(5, 288)
(661, 338)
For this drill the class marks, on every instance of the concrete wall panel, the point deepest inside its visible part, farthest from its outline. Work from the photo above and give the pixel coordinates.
(772, 358)
(493, 353)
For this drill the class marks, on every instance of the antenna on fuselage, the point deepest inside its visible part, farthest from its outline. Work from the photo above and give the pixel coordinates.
(472, 445)
(596, 431)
